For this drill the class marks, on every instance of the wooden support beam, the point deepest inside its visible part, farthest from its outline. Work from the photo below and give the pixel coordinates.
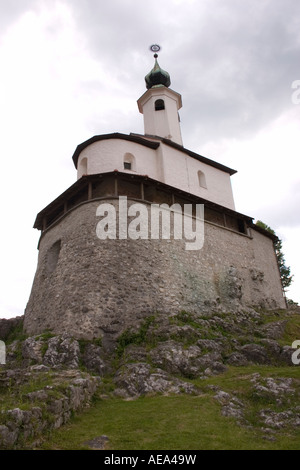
(90, 190)
(142, 191)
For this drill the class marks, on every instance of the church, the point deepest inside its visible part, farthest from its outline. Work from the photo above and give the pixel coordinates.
(93, 287)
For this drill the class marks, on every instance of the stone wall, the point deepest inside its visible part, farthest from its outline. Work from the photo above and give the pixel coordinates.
(48, 408)
(90, 287)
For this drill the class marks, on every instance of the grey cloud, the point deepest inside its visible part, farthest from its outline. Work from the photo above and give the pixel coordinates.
(284, 214)
(233, 62)
(11, 10)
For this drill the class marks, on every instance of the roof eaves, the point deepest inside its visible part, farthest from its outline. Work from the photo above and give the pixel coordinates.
(202, 159)
(114, 135)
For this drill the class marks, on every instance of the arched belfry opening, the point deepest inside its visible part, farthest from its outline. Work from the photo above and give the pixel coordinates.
(160, 97)
(159, 105)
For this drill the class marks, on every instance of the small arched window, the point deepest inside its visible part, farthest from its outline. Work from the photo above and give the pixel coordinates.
(129, 162)
(202, 179)
(159, 105)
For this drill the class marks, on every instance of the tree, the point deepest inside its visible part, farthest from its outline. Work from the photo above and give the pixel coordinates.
(285, 271)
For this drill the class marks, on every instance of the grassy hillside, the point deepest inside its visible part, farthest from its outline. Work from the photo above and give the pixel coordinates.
(183, 422)
(184, 382)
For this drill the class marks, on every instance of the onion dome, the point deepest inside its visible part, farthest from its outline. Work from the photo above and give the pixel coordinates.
(157, 76)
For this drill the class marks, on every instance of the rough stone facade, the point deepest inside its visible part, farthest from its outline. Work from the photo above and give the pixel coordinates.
(93, 288)
(7, 325)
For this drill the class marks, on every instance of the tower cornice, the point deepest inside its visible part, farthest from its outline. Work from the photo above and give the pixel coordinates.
(156, 91)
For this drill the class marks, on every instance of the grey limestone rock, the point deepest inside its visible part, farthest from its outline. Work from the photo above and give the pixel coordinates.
(210, 345)
(231, 285)
(255, 353)
(62, 350)
(231, 406)
(8, 437)
(189, 362)
(237, 359)
(286, 355)
(73, 391)
(98, 443)
(272, 347)
(32, 349)
(282, 419)
(276, 387)
(273, 330)
(92, 359)
(138, 379)
(38, 395)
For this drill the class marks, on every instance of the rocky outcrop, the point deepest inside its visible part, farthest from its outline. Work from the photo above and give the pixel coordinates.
(62, 350)
(187, 345)
(281, 392)
(47, 408)
(160, 354)
(57, 352)
(282, 419)
(189, 362)
(231, 405)
(140, 379)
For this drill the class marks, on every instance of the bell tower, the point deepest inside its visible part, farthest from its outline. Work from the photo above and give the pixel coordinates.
(160, 105)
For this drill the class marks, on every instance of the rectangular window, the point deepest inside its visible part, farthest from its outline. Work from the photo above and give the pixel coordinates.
(127, 166)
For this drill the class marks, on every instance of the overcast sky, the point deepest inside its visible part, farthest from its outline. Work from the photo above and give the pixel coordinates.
(71, 69)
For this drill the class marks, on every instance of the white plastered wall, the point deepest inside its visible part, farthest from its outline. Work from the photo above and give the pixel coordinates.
(108, 155)
(165, 164)
(181, 171)
(163, 123)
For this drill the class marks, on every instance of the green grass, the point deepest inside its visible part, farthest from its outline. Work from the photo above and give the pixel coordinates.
(134, 337)
(152, 423)
(181, 422)
(12, 396)
(292, 330)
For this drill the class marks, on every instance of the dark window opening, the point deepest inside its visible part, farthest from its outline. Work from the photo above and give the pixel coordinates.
(159, 105)
(241, 226)
(127, 166)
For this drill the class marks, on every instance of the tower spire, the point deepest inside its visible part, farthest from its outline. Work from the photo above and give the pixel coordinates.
(157, 76)
(160, 105)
